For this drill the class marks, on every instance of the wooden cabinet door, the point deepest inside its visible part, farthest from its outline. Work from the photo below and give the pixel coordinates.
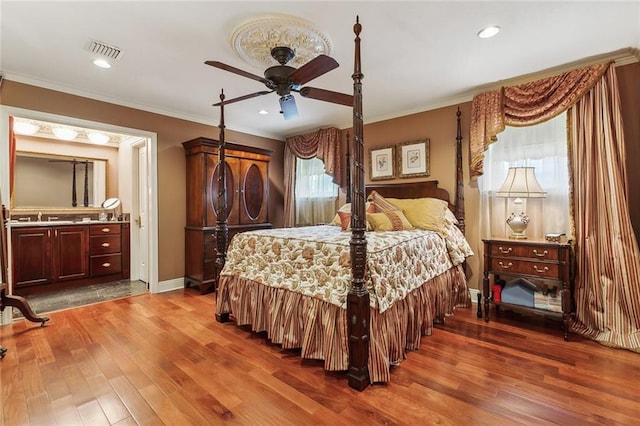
(71, 252)
(254, 192)
(31, 248)
(232, 165)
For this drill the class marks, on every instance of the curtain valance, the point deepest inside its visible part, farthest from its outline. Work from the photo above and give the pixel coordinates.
(525, 105)
(324, 144)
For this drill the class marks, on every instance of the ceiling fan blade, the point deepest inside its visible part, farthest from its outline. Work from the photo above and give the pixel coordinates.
(288, 107)
(314, 68)
(238, 71)
(327, 96)
(242, 98)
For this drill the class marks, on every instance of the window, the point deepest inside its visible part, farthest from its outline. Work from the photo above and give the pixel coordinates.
(315, 193)
(543, 146)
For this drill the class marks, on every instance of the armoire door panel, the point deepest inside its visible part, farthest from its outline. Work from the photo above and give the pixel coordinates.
(210, 192)
(254, 192)
(232, 193)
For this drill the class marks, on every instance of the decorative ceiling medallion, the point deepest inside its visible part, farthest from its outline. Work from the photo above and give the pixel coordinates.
(254, 40)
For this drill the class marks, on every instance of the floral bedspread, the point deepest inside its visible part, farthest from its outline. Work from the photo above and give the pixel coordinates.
(316, 261)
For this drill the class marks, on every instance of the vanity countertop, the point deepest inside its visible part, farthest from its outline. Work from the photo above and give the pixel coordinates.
(22, 224)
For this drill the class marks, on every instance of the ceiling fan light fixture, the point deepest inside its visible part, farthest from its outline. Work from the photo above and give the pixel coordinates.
(489, 31)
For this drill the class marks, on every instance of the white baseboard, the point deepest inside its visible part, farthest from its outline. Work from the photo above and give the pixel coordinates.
(170, 285)
(474, 294)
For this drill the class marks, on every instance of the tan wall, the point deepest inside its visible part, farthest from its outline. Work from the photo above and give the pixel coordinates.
(171, 132)
(438, 125)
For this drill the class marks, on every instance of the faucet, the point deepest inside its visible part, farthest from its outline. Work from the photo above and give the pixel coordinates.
(39, 216)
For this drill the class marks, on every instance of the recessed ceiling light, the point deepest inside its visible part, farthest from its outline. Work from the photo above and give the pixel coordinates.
(64, 133)
(101, 63)
(98, 138)
(24, 128)
(263, 112)
(489, 31)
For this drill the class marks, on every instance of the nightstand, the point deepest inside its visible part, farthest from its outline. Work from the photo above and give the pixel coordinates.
(529, 259)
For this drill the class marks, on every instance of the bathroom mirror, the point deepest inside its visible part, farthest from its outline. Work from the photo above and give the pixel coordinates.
(55, 181)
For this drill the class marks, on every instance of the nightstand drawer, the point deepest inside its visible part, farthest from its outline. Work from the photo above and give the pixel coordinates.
(540, 269)
(532, 251)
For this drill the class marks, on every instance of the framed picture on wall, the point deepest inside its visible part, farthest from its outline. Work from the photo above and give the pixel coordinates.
(413, 158)
(382, 163)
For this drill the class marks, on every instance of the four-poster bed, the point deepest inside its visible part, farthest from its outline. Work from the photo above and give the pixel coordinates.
(346, 308)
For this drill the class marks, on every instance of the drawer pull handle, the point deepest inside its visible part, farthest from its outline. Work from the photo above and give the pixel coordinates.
(105, 244)
(545, 269)
(106, 264)
(503, 251)
(543, 254)
(106, 230)
(507, 266)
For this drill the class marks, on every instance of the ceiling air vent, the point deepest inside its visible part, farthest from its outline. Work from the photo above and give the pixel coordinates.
(106, 50)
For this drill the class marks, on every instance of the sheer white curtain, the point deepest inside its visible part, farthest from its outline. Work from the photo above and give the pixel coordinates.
(543, 146)
(315, 193)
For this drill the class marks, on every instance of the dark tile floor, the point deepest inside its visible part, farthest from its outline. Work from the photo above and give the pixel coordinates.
(74, 297)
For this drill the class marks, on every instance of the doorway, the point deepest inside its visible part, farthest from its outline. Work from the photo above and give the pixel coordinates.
(137, 169)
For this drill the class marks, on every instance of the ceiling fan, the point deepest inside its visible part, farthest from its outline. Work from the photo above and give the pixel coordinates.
(284, 79)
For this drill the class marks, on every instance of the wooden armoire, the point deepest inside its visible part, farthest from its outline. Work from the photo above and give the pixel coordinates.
(247, 176)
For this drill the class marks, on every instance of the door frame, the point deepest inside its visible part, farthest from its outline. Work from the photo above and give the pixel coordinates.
(125, 180)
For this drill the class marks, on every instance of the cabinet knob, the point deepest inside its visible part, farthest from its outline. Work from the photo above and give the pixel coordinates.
(507, 266)
(501, 250)
(106, 230)
(105, 244)
(106, 264)
(543, 254)
(545, 269)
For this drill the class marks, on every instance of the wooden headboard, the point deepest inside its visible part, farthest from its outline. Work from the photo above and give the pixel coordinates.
(411, 190)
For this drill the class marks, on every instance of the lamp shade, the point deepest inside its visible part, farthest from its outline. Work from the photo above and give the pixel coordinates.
(521, 182)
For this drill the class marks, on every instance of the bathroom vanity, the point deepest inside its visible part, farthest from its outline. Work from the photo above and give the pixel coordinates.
(51, 255)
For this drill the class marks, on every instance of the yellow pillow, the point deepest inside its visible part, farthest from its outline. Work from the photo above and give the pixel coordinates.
(423, 213)
(389, 221)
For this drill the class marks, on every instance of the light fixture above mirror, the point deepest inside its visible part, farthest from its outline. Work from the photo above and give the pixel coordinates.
(98, 138)
(43, 129)
(64, 133)
(25, 128)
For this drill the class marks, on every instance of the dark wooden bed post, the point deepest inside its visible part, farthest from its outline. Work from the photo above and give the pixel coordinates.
(459, 209)
(222, 231)
(348, 183)
(358, 298)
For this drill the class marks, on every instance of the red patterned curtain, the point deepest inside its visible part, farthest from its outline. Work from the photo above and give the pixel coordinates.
(324, 144)
(525, 105)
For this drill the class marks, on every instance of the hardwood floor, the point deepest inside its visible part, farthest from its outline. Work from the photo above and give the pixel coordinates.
(164, 360)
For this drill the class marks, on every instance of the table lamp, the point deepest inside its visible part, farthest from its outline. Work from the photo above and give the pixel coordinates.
(520, 183)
